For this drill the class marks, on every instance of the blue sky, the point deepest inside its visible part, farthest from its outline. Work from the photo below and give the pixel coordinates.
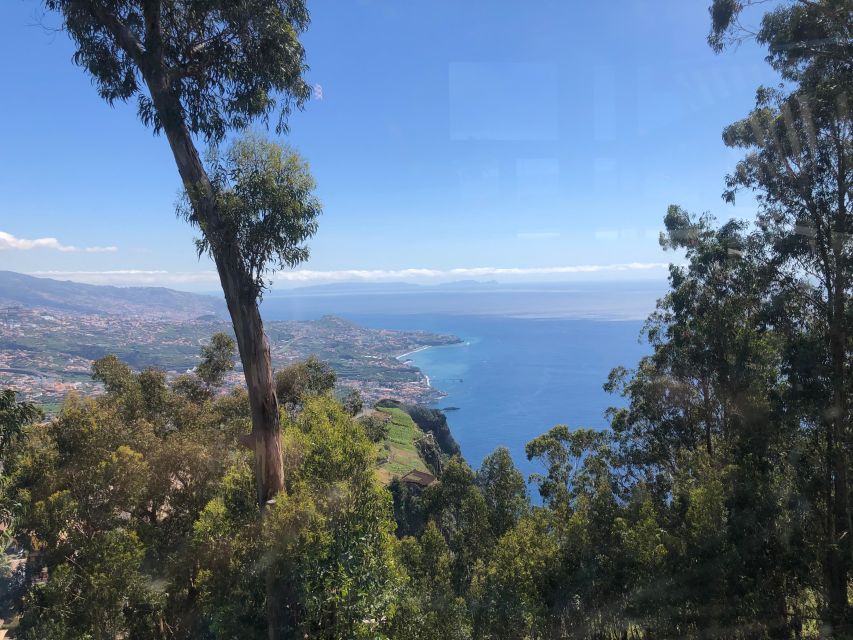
(486, 138)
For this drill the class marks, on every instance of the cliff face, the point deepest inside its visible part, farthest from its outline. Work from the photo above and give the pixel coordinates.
(433, 421)
(430, 453)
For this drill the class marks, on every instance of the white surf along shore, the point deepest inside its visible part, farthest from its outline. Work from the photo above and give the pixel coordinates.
(408, 353)
(402, 356)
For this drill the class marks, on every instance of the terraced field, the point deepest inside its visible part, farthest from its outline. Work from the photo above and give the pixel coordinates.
(398, 452)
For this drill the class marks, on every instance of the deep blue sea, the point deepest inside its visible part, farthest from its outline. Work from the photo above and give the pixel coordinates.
(522, 368)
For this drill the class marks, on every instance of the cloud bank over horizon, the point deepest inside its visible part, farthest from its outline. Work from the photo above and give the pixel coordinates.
(198, 279)
(10, 242)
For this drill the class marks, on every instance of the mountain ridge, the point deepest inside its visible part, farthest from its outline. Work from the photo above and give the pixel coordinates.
(18, 289)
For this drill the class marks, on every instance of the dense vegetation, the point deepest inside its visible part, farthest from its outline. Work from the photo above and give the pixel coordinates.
(139, 515)
(716, 506)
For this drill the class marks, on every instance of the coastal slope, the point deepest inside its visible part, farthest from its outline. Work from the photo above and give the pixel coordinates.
(21, 290)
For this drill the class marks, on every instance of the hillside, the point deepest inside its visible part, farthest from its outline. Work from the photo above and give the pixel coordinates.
(45, 354)
(398, 452)
(18, 289)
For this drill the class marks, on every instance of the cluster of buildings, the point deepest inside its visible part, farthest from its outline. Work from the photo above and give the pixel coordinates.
(47, 354)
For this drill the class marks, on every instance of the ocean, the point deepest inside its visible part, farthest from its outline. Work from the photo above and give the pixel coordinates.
(528, 360)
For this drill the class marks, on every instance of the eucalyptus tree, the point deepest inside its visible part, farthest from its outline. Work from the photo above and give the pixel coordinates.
(712, 359)
(504, 489)
(707, 436)
(217, 359)
(14, 416)
(198, 70)
(302, 380)
(799, 163)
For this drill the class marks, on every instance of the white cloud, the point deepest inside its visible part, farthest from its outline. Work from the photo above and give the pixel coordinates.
(8, 241)
(307, 276)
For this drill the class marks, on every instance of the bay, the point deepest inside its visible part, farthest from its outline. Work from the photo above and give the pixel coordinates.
(528, 360)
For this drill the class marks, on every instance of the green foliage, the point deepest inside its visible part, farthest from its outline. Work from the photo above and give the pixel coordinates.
(511, 591)
(217, 359)
(461, 514)
(352, 402)
(798, 164)
(430, 607)
(376, 426)
(716, 506)
(298, 382)
(105, 494)
(327, 539)
(202, 69)
(14, 416)
(408, 512)
(99, 593)
(225, 537)
(805, 40)
(119, 382)
(567, 455)
(229, 63)
(141, 509)
(265, 198)
(504, 489)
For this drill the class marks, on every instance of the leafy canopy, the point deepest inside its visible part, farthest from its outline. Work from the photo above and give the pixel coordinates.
(301, 380)
(14, 415)
(266, 200)
(217, 359)
(228, 63)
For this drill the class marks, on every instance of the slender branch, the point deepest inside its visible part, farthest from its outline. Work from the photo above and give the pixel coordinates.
(123, 35)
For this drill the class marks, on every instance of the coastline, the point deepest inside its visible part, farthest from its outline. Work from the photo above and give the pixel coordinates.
(439, 394)
(408, 353)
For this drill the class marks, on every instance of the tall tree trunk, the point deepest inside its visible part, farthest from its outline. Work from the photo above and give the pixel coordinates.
(254, 350)
(709, 411)
(252, 343)
(838, 555)
(238, 288)
(237, 285)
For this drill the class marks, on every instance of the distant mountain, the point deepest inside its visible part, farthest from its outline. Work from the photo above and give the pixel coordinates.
(17, 289)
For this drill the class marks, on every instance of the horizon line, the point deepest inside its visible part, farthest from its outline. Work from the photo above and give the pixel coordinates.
(162, 277)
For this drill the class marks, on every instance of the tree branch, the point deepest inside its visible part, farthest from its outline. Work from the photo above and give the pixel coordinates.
(153, 31)
(124, 37)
